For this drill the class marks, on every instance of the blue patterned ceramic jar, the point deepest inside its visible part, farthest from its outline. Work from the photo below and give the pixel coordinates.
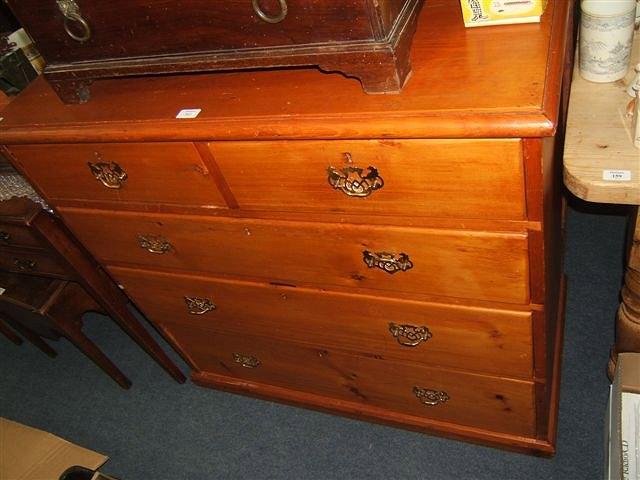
(606, 38)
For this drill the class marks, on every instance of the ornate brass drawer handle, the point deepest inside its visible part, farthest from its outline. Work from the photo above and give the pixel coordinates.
(429, 397)
(5, 237)
(71, 12)
(354, 181)
(154, 244)
(389, 262)
(111, 175)
(24, 264)
(409, 335)
(199, 305)
(246, 361)
(284, 9)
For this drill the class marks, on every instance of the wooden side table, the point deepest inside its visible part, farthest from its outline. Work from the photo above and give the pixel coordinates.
(602, 165)
(35, 242)
(47, 307)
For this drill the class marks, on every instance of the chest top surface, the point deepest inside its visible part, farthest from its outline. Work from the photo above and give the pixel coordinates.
(485, 82)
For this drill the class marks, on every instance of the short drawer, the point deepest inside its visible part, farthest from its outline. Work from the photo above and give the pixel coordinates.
(491, 403)
(476, 339)
(157, 173)
(437, 178)
(34, 262)
(452, 263)
(18, 236)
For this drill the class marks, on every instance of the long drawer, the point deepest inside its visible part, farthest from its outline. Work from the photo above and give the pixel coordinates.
(491, 403)
(468, 264)
(437, 178)
(156, 173)
(135, 28)
(478, 339)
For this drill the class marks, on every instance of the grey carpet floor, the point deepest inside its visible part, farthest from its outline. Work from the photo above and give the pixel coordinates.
(161, 430)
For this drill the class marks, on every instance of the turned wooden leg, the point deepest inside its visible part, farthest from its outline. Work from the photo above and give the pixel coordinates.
(5, 329)
(628, 320)
(30, 336)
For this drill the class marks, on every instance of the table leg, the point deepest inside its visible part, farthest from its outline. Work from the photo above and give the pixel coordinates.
(30, 336)
(628, 321)
(10, 334)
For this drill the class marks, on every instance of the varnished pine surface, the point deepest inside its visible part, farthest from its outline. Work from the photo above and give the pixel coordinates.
(485, 82)
(463, 264)
(488, 340)
(497, 403)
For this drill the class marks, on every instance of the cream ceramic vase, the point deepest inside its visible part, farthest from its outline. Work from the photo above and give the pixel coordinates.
(606, 37)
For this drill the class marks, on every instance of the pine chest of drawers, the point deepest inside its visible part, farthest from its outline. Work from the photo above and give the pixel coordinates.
(396, 259)
(83, 40)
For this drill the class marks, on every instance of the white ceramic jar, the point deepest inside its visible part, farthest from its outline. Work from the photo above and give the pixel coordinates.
(606, 38)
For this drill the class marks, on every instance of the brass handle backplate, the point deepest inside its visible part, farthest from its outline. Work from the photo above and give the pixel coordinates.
(409, 335)
(111, 175)
(24, 264)
(154, 244)
(73, 20)
(199, 305)
(246, 361)
(389, 262)
(429, 397)
(5, 237)
(284, 9)
(354, 181)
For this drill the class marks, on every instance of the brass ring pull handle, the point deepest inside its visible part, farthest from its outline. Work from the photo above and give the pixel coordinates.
(246, 361)
(73, 18)
(5, 237)
(355, 181)
(284, 9)
(429, 397)
(409, 335)
(111, 175)
(389, 262)
(154, 244)
(199, 305)
(24, 264)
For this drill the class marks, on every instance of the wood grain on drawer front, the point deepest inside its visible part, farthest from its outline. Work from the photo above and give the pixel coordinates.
(491, 403)
(451, 178)
(485, 340)
(468, 264)
(159, 173)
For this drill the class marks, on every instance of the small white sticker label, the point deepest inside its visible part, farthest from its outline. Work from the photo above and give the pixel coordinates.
(189, 113)
(616, 175)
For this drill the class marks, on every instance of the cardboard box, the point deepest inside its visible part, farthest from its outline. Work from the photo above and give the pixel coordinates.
(622, 424)
(481, 13)
(30, 454)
